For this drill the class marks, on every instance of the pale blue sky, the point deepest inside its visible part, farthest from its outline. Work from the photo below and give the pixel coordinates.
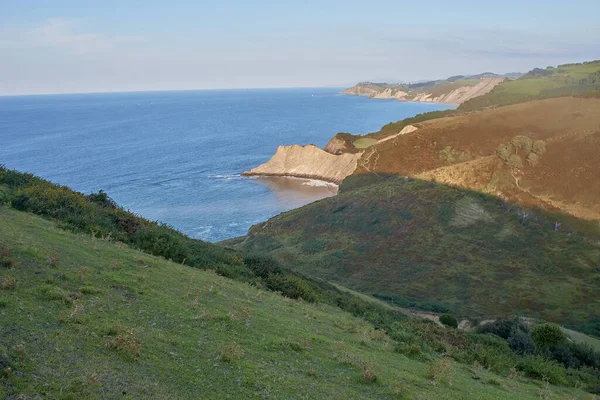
(62, 46)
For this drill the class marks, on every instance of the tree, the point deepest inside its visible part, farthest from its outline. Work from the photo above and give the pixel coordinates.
(547, 335)
(449, 320)
(539, 147)
(515, 161)
(521, 142)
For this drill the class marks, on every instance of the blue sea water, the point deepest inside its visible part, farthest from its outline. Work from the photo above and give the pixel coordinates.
(176, 156)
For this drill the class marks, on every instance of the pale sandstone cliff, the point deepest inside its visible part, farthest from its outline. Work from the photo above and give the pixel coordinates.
(307, 162)
(390, 94)
(461, 94)
(453, 96)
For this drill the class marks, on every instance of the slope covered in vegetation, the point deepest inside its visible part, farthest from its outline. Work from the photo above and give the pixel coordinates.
(417, 243)
(470, 150)
(85, 317)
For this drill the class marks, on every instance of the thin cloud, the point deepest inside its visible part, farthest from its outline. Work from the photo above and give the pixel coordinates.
(65, 34)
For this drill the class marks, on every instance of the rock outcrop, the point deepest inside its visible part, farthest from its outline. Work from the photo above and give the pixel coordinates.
(307, 162)
(390, 93)
(339, 145)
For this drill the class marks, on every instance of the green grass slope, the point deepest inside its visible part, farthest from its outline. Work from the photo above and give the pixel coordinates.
(87, 318)
(565, 80)
(421, 244)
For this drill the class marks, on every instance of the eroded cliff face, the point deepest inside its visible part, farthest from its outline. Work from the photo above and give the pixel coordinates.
(461, 94)
(307, 162)
(453, 95)
(390, 94)
(339, 145)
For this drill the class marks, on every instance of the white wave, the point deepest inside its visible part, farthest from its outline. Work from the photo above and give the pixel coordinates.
(232, 176)
(318, 183)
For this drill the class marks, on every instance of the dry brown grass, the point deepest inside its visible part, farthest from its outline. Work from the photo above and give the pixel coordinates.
(8, 283)
(230, 352)
(368, 374)
(565, 177)
(439, 370)
(123, 340)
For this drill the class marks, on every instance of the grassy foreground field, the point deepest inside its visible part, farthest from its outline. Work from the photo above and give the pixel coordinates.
(87, 318)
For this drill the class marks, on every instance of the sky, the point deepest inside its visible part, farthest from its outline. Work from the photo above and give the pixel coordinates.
(75, 46)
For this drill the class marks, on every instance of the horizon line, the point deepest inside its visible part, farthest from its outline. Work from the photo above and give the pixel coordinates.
(172, 90)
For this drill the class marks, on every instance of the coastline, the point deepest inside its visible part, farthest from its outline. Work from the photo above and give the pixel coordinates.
(306, 177)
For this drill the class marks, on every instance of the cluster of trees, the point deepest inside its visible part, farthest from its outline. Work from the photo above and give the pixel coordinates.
(510, 152)
(538, 73)
(545, 340)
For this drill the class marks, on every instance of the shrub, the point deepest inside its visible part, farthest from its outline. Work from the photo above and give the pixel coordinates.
(449, 320)
(533, 159)
(547, 335)
(6, 194)
(562, 353)
(439, 370)
(515, 161)
(521, 342)
(585, 354)
(539, 147)
(123, 341)
(262, 266)
(503, 327)
(505, 150)
(368, 375)
(292, 287)
(6, 258)
(537, 367)
(490, 351)
(521, 142)
(410, 350)
(8, 283)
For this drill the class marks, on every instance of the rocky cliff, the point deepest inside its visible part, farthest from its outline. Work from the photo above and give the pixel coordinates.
(433, 92)
(307, 162)
(462, 93)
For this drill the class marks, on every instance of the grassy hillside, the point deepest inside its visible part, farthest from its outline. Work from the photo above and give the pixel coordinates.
(565, 80)
(88, 318)
(463, 150)
(418, 243)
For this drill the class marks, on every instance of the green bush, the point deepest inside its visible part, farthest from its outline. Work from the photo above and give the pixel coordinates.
(503, 327)
(292, 287)
(449, 320)
(547, 335)
(585, 354)
(262, 266)
(537, 367)
(521, 342)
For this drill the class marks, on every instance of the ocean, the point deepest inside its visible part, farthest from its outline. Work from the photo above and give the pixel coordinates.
(176, 157)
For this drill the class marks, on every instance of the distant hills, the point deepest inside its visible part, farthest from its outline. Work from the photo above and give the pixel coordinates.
(454, 90)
